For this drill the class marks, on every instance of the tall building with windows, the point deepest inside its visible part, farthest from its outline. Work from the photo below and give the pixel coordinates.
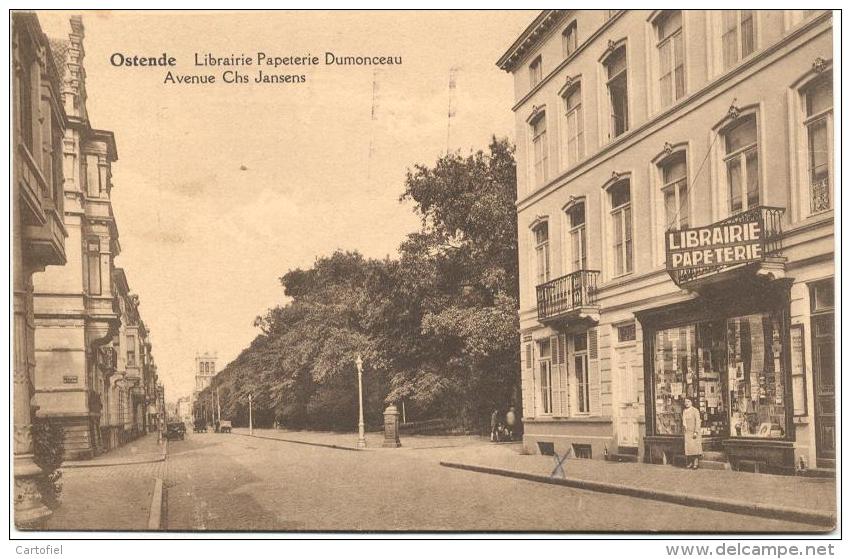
(93, 353)
(38, 231)
(676, 233)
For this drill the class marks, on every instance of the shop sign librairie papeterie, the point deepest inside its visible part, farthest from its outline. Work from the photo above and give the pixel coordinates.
(714, 246)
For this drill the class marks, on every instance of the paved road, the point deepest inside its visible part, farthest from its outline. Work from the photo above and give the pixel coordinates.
(231, 482)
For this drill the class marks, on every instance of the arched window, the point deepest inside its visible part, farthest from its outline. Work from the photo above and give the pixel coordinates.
(578, 236)
(569, 39)
(742, 162)
(575, 126)
(675, 190)
(818, 120)
(669, 33)
(621, 218)
(542, 252)
(616, 84)
(539, 147)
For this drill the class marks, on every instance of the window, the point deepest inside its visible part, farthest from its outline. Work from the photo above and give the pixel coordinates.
(131, 350)
(535, 72)
(575, 125)
(91, 175)
(675, 191)
(617, 88)
(25, 92)
(578, 238)
(738, 35)
(580, 369)
(819, 124)
(539, 148)
(742, 162)
(672, 83)
(93, 265)
(569, 39)
(545, 374)
(626, 332)
(200, 367)
(621, 215)
(542, 252)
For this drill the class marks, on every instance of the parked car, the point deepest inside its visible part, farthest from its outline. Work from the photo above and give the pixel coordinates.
(200, 426)
(175, 430)
(224, 427)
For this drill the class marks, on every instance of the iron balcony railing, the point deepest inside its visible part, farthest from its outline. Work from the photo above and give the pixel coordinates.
(567, 293)
(770, 223)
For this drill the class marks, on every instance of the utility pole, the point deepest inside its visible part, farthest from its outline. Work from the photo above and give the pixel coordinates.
(218, 406)
(250, 417)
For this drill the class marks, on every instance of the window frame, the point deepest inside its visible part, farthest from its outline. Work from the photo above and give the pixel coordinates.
(672, 184)
(825, 115)
(536, 72)
(740, 156)
(669, 41)
(570, 39)
(610, 89)
(578, 234)
(578, 115)
(619, 214)
(583, 378)
(94, 268)
(540, 166)
(543, 260)
(545, 372)
(740, 55)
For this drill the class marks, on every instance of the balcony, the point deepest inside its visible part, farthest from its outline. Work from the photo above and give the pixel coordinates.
(43, 227)
(761, 255)
(570, 297)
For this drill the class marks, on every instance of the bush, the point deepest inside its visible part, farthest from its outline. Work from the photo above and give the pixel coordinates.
(49, 453)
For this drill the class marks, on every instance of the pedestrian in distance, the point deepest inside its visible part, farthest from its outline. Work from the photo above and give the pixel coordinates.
(511, 422)
(495, 426)
(691, 435)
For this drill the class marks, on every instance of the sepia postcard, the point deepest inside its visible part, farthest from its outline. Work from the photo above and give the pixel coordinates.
(498, 272)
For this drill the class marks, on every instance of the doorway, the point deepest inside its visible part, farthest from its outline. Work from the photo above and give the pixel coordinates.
(824, 386)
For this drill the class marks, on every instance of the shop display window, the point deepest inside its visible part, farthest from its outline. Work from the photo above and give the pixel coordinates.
(690, 362)
(675, 364)
(756, 381)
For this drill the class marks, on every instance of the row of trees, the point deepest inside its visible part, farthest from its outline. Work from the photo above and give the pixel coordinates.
(437, 327)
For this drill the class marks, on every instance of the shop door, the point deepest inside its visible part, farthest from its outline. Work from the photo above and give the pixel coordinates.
(628, 403)
(824, 386)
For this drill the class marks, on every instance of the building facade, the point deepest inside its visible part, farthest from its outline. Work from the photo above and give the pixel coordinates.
(38, 230)
(675, 214)
(91, 346)
(205, 370)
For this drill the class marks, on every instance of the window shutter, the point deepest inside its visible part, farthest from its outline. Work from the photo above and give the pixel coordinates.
(527, 384)
(594, 374)
(560, 397)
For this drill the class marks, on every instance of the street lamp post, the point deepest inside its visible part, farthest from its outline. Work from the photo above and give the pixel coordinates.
(361, 439)
(250, 418)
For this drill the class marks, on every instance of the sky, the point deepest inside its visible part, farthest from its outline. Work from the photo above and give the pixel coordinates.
(221, 189)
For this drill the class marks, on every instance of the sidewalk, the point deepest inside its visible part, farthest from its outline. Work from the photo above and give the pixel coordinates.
(349, 441)
(808, 499)
(111, 492)
(139, 451)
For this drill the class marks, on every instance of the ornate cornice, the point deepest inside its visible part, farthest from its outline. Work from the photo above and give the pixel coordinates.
(530, 38)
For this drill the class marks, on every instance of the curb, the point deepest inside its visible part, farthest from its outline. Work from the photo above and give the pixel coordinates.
(333, 446)
(823, 519)
(155, 514)
(89, 464)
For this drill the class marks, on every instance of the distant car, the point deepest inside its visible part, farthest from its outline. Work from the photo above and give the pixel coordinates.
(224, 427)
(200, 427)
(175, 430)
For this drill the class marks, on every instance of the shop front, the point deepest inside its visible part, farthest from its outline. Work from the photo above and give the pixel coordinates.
(727, 350)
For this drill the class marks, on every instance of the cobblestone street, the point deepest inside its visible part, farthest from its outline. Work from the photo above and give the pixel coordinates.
(233, 482)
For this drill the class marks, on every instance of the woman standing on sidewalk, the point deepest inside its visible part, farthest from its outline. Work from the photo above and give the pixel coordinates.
(691, 435)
